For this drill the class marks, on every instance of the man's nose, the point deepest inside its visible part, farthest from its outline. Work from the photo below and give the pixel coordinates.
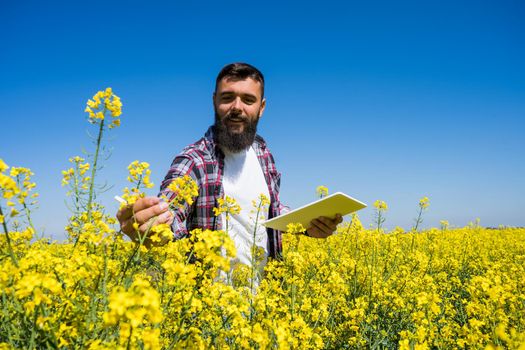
(237, 104)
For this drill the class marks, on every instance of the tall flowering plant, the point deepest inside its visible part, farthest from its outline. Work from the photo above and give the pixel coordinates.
(104, 110)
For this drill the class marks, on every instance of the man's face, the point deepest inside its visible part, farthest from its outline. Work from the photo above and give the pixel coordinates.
(238, 106)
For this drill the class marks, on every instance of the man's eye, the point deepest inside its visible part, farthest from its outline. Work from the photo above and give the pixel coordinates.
(249, 101)
(226, 98)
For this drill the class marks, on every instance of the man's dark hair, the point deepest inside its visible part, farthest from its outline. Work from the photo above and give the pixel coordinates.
(240, 71)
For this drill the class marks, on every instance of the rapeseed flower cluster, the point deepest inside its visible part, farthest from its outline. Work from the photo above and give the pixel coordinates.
(424, 203)
(104, 102)
(423, 206)
(442, 288)
(227, 205)
(380, 205)
(139, 177)
(7, 183)
(183, 190)
(380, 208)
(76, 177)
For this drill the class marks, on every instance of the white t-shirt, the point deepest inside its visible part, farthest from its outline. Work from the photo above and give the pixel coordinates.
(243, 180)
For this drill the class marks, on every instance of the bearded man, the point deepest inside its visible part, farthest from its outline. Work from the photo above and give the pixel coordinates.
(230, 160)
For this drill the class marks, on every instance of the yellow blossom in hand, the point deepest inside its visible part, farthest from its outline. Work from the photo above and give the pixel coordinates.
(131, 196)
(139, 174)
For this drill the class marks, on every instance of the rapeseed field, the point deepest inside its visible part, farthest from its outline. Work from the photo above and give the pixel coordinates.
(441, 288)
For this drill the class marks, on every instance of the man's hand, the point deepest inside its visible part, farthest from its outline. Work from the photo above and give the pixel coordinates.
(323, 227)
(148, 211)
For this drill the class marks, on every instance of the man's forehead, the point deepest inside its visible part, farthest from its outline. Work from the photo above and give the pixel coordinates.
(247, 86)
(228, 83)
(229, 79)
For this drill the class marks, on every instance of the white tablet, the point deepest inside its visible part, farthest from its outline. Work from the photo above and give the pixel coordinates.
(329, 206)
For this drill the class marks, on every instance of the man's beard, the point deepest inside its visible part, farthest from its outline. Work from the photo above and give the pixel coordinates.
(234, 142)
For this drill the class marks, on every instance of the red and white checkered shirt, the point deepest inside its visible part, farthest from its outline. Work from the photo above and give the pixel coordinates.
(203, 161)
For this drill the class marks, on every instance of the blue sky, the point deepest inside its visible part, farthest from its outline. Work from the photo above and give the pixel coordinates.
(381, 100)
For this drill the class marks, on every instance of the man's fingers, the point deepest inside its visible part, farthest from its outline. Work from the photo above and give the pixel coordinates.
(131, 232)
(145, 203)
(161, 219)
(323, 226)
(331, 223)
(145, 215)
(124, 213)
(128, 229)
(127, 212)
(316, 232)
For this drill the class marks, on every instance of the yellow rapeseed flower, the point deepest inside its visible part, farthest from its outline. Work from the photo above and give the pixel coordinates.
(160, 233)
(8, 186)
(423, 203)
(380, 205)
(97, 110)
(139, 174)
(183, 190)
(3, 166)
(227, 205)
(294, 228)
(264, 201)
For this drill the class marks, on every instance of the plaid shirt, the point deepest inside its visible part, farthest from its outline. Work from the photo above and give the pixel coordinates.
(203, 161)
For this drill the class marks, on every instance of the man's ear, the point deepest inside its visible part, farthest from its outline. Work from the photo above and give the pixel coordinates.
(263, 106)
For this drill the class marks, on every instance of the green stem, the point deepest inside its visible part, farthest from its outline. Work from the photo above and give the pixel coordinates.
(8, 239)
(418, 220)
(28, 214)
(379, 220)
(32, 344)
(253, 260)
(93, 172)
(94, 169)
(135, 255)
